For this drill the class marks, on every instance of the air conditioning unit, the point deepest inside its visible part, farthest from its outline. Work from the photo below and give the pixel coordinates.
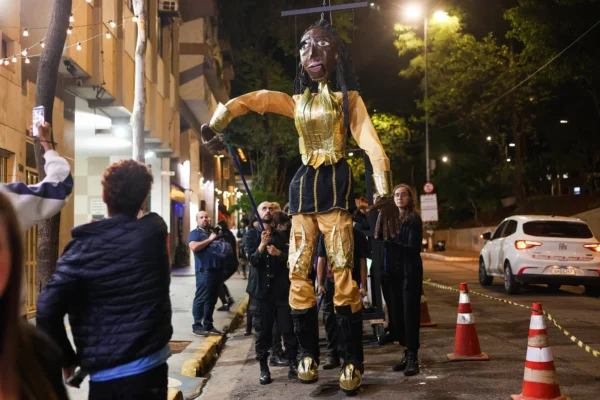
(168, 6)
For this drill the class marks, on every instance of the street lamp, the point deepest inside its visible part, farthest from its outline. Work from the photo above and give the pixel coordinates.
(445, 159)
(413, 12)
(489, 138)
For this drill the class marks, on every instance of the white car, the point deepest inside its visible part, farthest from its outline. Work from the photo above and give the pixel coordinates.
(541, 249)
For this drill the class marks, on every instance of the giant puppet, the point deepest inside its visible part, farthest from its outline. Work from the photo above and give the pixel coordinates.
(321, 198)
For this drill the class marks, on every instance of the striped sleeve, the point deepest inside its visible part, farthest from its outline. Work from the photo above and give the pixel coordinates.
(35, 203)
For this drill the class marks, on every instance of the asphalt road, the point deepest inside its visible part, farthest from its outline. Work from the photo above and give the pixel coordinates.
(502, 331)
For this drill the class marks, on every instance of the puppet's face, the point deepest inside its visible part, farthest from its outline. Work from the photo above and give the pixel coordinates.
(318, 54)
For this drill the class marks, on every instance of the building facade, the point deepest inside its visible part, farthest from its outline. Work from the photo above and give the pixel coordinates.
(94, 103)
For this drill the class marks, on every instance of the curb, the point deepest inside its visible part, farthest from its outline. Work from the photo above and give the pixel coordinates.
(439, 257)
(174, 394)
(204, 357)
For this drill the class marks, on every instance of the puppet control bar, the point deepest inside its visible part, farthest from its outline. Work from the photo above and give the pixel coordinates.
(316, 10)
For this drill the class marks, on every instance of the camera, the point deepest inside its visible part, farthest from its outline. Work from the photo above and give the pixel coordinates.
(217, 231)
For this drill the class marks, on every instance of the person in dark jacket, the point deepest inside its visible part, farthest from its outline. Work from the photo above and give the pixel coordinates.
(30, 363)
(113, 281)
(269, 290)
(230, 265)
(406, 279)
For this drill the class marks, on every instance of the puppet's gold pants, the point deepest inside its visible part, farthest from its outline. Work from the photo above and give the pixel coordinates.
(336, 226)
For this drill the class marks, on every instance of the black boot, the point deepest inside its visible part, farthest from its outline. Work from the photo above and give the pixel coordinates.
(293, 371)
(332, 362)
(350, 328)
(402, 365)
(265, 374)
(278, 361)
(306, 328)
(412, 364)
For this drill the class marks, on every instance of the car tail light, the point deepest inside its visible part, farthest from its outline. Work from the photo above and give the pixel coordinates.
(593, 246)
(526, 244)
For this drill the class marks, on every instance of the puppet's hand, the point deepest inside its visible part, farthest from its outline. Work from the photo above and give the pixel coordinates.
(211, 140)
(388, 219)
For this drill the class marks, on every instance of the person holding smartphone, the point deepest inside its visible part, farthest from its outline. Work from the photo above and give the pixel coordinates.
(36, 203)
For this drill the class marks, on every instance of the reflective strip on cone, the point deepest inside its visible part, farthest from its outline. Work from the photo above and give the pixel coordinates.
(537, 322)
(463, 298)
(465, 319)
(548, 377)
(539, 355)
(539, 340)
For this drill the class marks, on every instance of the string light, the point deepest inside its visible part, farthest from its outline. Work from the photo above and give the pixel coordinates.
(70, 30)
(79, 46)
(42, 44)
(27, 60)
(108, 36)
(134, 18)
(112, 24)
(25, 32)
(88, 1)
(24, 51)
(6, 62)
(14, 59)
(71, 18)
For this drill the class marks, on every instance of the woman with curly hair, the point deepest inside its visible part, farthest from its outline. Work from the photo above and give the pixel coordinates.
(325, 106)
(113, 281)
(405, 279)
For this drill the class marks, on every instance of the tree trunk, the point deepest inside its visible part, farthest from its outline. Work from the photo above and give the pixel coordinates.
(45, 91)
(139, 103)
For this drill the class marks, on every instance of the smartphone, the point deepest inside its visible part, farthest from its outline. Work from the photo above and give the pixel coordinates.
(39, 117)
(77, 379)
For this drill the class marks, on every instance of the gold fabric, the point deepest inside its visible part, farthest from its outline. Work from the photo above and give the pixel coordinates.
(319, 120)
(336, 226)
(220, 119)
(308, 370)
(383, 183)
(350, 379)
(320, 124)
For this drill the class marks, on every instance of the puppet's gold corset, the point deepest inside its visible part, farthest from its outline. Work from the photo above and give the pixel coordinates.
(320, 125)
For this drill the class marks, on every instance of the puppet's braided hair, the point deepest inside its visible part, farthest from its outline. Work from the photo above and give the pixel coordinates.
(344, 78)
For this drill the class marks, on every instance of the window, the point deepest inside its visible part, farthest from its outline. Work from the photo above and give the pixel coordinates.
(559, 229)
(4, 156)
(510, 228)
(4, 49)
(498, 233)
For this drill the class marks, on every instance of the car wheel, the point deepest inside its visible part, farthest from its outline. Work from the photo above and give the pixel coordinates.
(554, 287)
(484, 278)
(510, 285)
(592, 291)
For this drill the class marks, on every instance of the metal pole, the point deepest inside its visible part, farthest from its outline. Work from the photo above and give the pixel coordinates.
(427, 163)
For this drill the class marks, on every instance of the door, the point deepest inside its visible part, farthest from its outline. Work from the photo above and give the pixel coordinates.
(494, 248)
(504, 241)
(31, 178)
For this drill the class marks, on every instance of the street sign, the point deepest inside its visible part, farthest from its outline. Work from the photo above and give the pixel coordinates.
(429, 208)
(428, 187)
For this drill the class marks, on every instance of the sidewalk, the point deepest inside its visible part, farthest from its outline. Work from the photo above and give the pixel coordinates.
(183, 288)
(451, 256)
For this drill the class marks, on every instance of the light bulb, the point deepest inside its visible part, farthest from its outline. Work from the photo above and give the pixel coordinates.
(25, 32)
(79, 46)
(14, 59)
(71, 18)
(88, 1)
(42, 44)
(70, 30)
(107, 34)
(24, 52)
(135, 18)
(27, 60)
(6, 62)
(112, 24)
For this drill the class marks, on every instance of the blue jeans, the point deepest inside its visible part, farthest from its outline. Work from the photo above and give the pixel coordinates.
(208, 282)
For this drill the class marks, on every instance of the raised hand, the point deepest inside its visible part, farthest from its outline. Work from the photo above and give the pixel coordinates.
(211, 140)
(388, 220)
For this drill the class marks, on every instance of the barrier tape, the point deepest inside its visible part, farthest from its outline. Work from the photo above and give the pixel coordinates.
(574, 339)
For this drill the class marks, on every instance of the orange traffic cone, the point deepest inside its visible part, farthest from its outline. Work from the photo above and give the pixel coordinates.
(540, 381)
(466, 343)
(425, 318)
